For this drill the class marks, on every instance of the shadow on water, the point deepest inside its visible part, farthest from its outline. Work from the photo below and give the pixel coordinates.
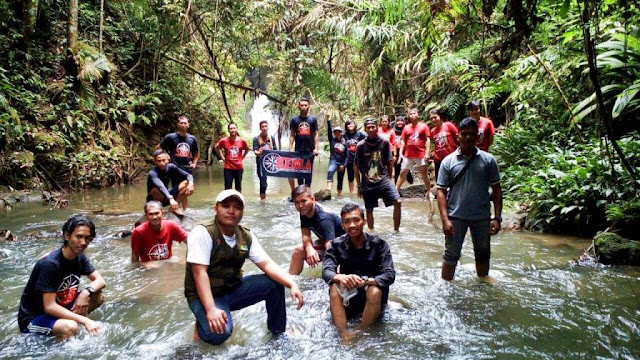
(536, 306)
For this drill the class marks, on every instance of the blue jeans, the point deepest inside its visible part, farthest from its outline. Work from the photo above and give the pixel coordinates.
(253, 289)
(333, 167)
(479, 235)
(262, 176)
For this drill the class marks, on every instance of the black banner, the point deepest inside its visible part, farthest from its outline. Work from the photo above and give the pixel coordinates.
(288, 164)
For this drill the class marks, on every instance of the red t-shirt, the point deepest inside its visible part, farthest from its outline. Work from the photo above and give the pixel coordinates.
(233, 152)
(415, 140)
(151, 245)
(389, 135)
(485, 133)
(444, 140)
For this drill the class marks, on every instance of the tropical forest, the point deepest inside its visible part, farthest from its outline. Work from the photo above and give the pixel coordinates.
(89, 88)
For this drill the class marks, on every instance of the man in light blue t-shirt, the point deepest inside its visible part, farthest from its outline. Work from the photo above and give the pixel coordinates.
(464, 200)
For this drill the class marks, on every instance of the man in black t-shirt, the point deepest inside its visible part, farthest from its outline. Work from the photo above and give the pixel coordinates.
(53, 302)
(373, 166)
(183, 149)
(304, 134)
(158, 183)
(313, 218)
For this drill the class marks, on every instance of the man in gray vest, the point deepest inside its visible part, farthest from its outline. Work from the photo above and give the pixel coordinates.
(214, 285)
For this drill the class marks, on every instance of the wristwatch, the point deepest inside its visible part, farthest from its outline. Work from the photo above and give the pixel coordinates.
(91, 290)
(499, 218)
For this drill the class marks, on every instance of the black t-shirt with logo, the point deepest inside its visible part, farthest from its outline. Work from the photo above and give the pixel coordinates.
(52, 274)
(304, 129)
(181, 149)
(372, 159)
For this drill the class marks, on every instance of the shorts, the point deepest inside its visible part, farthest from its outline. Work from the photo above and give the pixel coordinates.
(479, 235)
(359, 301)
(41, 324)
(319, 247)
(387, 192)
(165, 202)
(407, 164)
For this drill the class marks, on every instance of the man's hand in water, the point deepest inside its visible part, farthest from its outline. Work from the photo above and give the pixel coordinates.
(92, 327)
(217, 320)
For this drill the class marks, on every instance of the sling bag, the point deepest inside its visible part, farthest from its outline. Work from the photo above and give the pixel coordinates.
(461, 173)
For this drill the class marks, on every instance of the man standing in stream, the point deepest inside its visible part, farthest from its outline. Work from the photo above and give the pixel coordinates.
(303, 137)
(183, 149)
(464, 201)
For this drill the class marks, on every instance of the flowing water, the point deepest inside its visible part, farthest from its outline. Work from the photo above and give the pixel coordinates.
(538, 305)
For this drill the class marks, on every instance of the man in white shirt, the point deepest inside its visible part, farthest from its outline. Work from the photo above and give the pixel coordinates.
(214, 285)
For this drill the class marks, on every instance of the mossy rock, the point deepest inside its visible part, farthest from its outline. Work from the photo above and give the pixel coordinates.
(613, 249)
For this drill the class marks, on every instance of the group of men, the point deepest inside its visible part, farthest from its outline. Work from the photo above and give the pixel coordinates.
(357, 266)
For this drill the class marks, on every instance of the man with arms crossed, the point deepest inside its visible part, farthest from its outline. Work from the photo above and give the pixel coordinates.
(152, 239)
(213, 283)
(361, 261)
(53, 303)
(464, 200)
(183, 149)
(313, 218)
(231, 151)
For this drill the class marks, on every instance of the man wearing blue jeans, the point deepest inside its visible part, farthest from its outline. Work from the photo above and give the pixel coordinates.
(464, 201)
(214, 285)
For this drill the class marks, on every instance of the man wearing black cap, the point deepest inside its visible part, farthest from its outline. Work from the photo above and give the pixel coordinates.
(214, 285)
(373, 166)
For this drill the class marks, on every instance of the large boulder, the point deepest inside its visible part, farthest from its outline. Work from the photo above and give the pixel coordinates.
(323, 195)
(414, 191)
(613, 249)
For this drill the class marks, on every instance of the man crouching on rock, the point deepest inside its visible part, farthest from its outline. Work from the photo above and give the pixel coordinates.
(53, 303)
(214, 285)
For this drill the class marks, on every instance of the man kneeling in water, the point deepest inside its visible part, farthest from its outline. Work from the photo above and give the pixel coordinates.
(366, 266)
(213, 283)
(158, 182)
(52, 303)
(152, 239)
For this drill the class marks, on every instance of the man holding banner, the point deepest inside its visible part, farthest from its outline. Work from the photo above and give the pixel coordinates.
(304, 135)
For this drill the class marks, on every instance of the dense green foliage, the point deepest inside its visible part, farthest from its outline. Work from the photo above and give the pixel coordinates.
(88, 120)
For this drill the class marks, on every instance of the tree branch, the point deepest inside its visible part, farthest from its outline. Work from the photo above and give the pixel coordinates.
(237, 86)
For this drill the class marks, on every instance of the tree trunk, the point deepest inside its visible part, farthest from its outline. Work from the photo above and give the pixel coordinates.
(29, 16)
(72, 28)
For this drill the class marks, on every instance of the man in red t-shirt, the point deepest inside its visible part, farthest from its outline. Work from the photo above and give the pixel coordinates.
(415, 149)
(444, 135)
(486, 131)
(231, 151)
(152, 239)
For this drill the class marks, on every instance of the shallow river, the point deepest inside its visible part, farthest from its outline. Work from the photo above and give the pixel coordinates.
(538, 305)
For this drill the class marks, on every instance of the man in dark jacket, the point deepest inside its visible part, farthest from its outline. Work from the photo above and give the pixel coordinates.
(366, 272)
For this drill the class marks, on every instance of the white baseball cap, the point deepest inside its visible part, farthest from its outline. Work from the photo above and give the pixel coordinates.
(229, 193)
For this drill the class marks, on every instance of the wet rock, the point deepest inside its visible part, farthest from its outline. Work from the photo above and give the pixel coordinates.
(323, 195)
(413, 191)
(613, 249)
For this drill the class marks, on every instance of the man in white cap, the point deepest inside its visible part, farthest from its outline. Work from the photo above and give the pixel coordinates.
(214, 285)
